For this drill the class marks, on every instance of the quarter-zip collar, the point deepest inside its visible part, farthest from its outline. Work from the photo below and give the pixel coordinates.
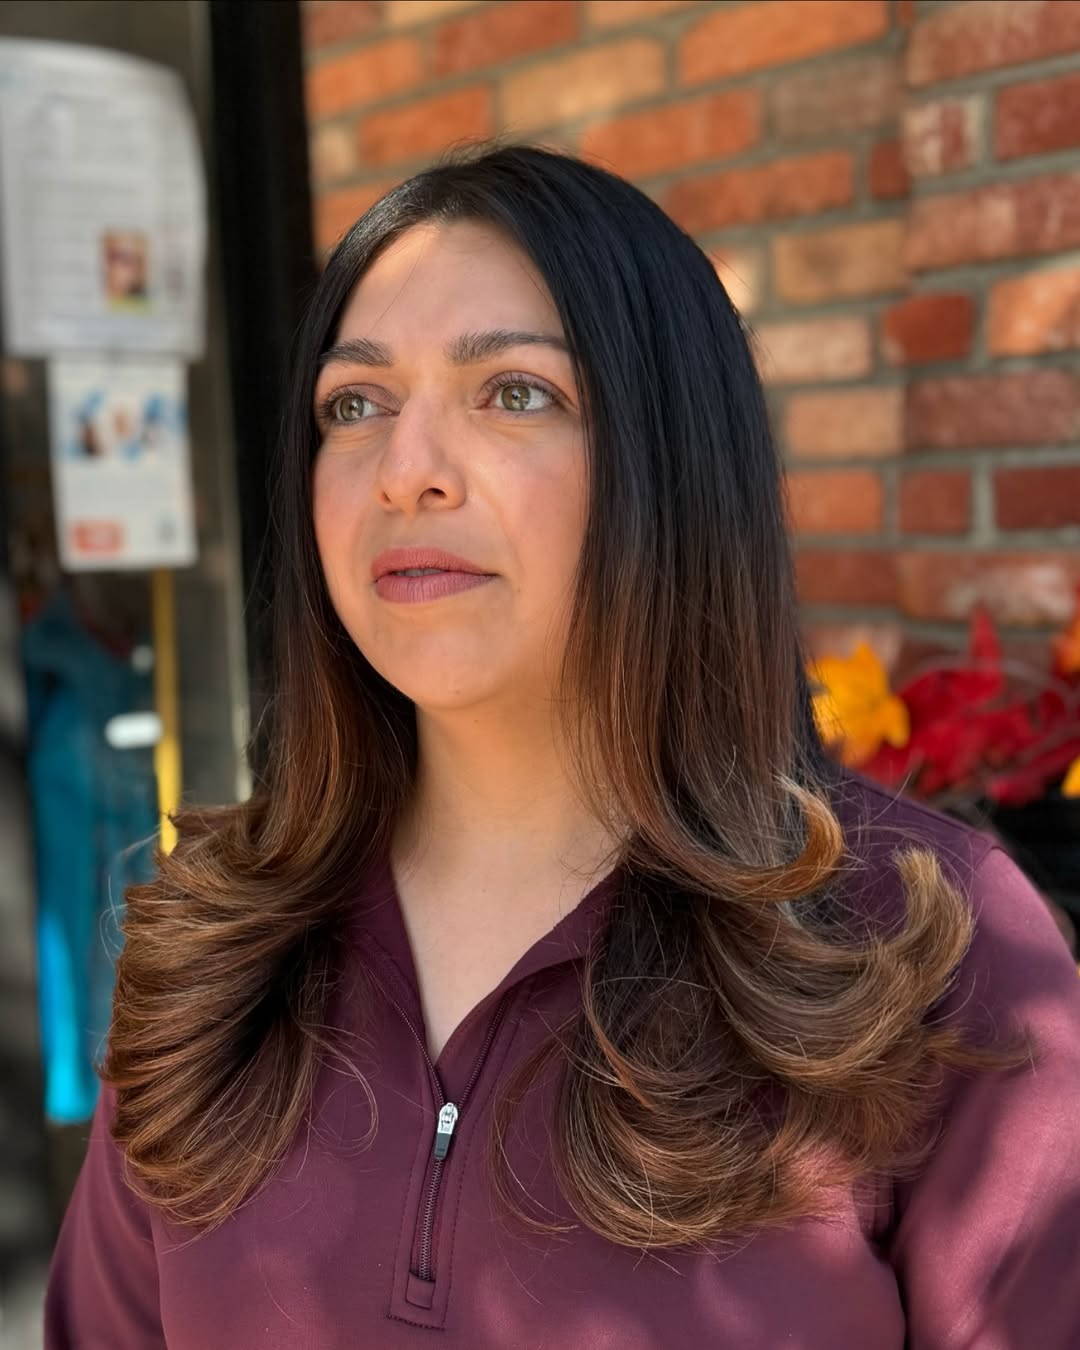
(460, 1081)
(379, 916)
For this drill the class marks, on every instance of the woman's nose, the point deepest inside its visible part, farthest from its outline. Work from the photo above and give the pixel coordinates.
(418, 465)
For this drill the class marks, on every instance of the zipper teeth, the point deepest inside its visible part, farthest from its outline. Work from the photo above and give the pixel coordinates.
(426, 1231)
(440, 1096)
(424, 1270)
(493, 1028)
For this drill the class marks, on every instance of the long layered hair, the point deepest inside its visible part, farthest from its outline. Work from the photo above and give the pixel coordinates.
(730, 975)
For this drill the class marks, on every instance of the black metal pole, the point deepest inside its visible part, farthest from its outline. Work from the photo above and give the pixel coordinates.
(260, 162)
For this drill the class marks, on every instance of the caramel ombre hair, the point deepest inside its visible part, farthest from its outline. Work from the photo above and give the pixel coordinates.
(746, 1039)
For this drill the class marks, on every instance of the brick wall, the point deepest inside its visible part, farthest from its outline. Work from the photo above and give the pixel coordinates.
(891, 192)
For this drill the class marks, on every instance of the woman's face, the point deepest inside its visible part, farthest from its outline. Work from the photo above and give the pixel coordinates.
(449, 419)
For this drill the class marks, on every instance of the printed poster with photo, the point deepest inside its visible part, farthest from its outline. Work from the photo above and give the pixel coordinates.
(121, 468)
(102, 204)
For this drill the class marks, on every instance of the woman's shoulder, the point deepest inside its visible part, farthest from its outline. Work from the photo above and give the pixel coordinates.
(877, 821)
(979, 1236)
(1016, 954)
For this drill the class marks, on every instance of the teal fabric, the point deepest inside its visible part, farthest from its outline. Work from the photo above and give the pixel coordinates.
(95, 817)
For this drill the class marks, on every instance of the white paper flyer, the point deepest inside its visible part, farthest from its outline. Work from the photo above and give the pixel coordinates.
(121, 468)
(102, 204)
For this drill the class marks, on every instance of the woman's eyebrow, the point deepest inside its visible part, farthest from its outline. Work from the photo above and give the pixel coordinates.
(464, 350)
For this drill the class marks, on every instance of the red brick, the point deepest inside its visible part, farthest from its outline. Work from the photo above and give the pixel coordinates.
(835, 501)
(741, 269)
(755, 36)
(932, 327)
(943, 136)
(498, 32)
(815, 350)
(426, 126)
(845, 424)
(843, 262)
(677, 134)
(332, 151)
(335, 212)
(889, 177)
(835, 577)
(986, 34)
(409, 13)
(856, 96)
(1038, 215)
(1030, 119)
(1036, 312)
(363, 76)
(935, 502)
(1035, 407)
(784, 187)
(1021, 589)
(614, 13)
(1046, 498)
(328, 21)
(588, 80)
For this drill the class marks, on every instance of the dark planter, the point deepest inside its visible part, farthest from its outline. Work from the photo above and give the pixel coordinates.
(1044, 836)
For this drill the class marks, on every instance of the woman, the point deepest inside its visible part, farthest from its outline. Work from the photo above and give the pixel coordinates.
(553, 990)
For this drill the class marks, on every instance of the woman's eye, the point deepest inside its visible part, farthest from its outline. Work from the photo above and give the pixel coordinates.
(521, 397)
(348, 408)
(515, 396)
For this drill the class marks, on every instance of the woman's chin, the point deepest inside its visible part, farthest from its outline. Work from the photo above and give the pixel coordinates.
(486, 695)
(447, 694)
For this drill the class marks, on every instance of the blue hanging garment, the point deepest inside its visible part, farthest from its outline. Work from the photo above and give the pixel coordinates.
(95, 824)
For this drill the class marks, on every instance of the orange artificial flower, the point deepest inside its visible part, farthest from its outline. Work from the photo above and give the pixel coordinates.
(1071, 786)
(1066, 646)
(854, 707)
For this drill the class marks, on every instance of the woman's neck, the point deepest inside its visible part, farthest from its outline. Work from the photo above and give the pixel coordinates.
(496, 802)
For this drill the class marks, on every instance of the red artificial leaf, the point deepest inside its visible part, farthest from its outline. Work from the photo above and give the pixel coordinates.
(959, 737)
(943, 692)
(955, 748)
(891, 765)
(1028, 782)
(1052, 710)
(983, 641)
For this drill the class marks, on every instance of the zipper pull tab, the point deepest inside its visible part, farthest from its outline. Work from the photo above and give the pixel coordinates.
(445, 1129)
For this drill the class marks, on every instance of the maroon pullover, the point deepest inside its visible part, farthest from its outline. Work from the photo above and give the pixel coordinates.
(399, 1246)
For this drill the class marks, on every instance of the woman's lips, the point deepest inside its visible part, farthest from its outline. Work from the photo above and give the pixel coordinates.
(432, 586)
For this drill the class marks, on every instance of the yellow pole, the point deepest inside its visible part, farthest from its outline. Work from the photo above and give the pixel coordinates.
(167, 750)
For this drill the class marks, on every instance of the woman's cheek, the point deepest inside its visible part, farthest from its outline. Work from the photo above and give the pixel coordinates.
(333, 517)
(335, 496)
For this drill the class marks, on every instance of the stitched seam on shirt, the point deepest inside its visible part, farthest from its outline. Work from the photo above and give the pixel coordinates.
(495, 1073)
(424, 1326)
(397, 1248)
(396, 970)
(405, 1212)
(404, 1216)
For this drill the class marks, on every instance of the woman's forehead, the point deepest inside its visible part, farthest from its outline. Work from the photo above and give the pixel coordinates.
(464, 275)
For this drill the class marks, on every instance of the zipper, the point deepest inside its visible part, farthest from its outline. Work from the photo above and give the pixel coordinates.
(447, 1117)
